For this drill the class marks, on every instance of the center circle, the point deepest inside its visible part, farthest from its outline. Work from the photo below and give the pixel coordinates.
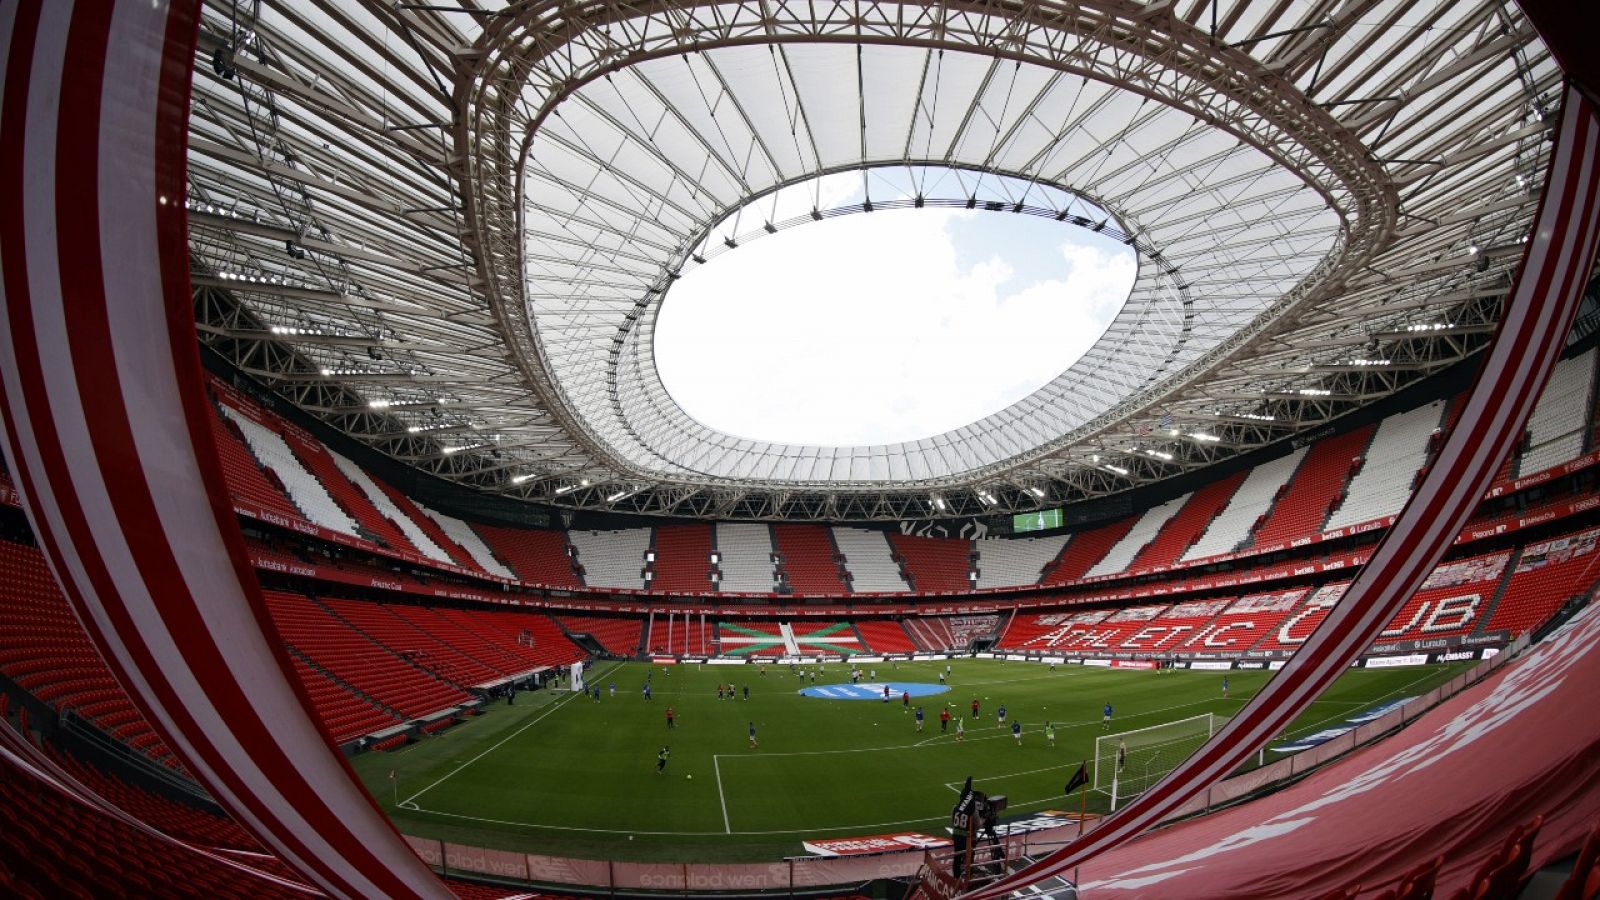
(873, 690)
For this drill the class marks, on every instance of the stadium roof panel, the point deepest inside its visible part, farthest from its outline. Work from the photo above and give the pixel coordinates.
(422, 224)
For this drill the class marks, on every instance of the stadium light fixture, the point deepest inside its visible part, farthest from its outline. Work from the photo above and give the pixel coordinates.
(1204, 437)
(1117, 469)
(1037, 492)
(566, 489)
(519, 479)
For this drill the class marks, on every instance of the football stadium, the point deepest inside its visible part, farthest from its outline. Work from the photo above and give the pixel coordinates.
(840, 451)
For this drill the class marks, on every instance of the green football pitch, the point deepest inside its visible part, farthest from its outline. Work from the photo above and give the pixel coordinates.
(559, 773)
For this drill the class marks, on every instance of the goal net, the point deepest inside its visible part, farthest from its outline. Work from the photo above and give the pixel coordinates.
(1137, 759)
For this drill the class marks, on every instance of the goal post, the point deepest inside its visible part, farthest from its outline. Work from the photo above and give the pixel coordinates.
(1133, 761)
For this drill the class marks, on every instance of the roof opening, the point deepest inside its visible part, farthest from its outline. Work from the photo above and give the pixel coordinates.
(887, 326)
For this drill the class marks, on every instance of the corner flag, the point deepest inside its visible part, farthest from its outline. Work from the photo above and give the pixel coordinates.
(1081, 777)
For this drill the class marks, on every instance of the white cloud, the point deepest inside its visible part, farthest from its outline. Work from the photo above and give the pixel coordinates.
(865, 329)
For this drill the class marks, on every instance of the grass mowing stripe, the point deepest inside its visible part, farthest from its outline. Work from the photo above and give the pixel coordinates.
(412, 800)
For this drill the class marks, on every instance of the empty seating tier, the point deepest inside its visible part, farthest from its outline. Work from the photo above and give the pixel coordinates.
(1245, 509)
(885, 636)
(1085, 549)
(1559, 426)
(613, 559)
(1305, 503)
(1144, 531)
(1548, 574)
(1007, 563)
(539, 556)
(45, 651)
(809, 560)
(355, 500)
(1389, 471)
(744, 557)
(869, 558)
(307, 492)
(683, 559)
(1452, 602)
(246, 479)
(339, 649)
(467, 539)
(619, 636)
(936, 565)
(384, 504)
(1183, 529)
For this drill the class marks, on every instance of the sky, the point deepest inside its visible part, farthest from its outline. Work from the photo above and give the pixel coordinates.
(887, 326)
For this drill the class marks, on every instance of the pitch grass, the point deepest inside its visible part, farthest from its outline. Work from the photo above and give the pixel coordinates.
(558, 773)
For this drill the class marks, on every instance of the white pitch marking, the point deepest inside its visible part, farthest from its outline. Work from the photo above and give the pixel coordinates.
(457, 770)
(717, 768)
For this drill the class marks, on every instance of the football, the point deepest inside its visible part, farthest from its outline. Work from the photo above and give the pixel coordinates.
(690, 777)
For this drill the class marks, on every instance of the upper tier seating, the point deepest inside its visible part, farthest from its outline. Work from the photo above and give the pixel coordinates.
(1085, 548)
(245, 477)
(540, 556)
(1006, 563)
(683, 559)
(935, 565)
(1185, 528)
(1304, 505)
(381, 501)
(745, 558)
(885, 636)
(467, 539)
(353, 499)
(45, 651)
(1547, 574)
(455, 555)
(303, 487)
(1150, 523)
(1232, 527)
(612, 558)
(1559, 426)
(357, 660)
(1397, 454)
(620, 637)
(870, 560)
(809, 559)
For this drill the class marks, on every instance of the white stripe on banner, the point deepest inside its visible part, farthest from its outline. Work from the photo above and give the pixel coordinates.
(106, 436)
(1527, 343)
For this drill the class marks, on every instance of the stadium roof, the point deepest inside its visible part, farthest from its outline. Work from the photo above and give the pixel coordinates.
(448, 231)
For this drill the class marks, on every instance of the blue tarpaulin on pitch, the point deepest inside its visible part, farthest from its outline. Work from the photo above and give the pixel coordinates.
(872, 690)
